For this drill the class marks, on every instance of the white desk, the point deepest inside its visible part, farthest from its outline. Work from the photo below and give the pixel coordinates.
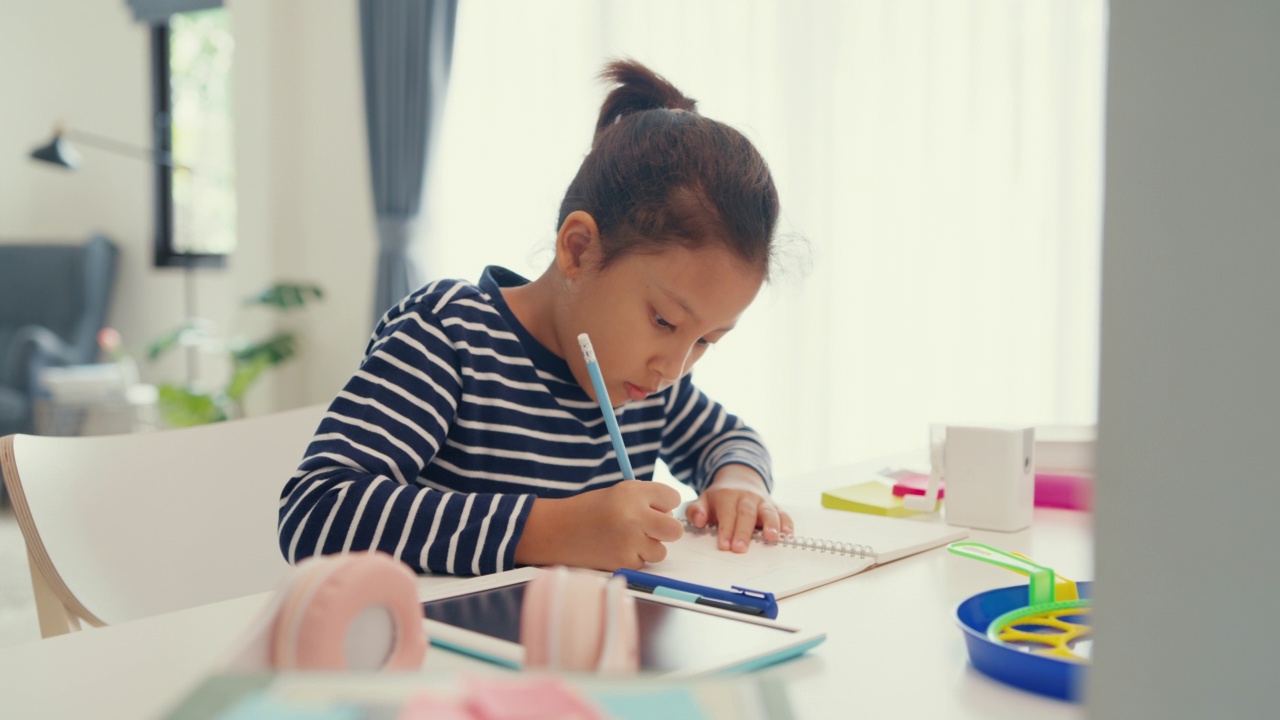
(893, 648)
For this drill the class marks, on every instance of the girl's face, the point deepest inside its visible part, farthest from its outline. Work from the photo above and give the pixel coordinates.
(652, 316)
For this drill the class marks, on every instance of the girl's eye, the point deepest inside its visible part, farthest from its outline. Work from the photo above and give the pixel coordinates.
(662, 323)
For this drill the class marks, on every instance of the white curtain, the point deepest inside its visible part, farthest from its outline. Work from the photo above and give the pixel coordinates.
(939, 161)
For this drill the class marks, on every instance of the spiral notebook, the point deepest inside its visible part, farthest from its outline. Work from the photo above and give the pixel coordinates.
(828, 545)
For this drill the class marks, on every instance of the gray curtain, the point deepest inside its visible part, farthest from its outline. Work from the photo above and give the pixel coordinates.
(406, 47)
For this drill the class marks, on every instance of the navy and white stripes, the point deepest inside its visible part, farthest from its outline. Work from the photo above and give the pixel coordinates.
(458, 418)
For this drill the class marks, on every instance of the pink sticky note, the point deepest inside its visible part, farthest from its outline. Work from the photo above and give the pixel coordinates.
(1064, 490)
(1055, 490)
(909, 483)
(522, 699)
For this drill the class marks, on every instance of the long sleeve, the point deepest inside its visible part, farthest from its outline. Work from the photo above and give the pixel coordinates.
(458, 419)
(700, 437)
(359, 486)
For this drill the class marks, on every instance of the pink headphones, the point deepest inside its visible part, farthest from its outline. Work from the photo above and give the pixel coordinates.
(356, 611)
(360, 612)
(579, 621)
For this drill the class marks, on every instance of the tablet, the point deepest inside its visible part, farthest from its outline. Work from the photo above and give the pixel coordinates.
(481, 617)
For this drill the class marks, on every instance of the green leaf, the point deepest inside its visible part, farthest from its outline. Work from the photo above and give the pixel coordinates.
(165, 342)
(244, 375)
(180, 335)
(287, 296)
(253, 359)
(184, 408)
(275, 349)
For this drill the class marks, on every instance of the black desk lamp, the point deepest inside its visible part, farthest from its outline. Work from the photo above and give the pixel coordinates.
(61, 153)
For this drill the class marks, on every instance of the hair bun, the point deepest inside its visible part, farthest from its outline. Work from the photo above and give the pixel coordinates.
(637, 88)
(661, 173)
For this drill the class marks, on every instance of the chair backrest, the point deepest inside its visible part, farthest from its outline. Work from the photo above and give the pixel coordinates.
(65, 288)
(58, 294)
(126, 526)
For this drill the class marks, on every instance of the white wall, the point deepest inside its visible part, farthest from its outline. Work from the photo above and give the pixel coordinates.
(305, 211)
(1189, 409)
(324, 226)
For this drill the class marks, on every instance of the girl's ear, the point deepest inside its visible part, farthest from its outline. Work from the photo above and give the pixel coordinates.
(577, 244)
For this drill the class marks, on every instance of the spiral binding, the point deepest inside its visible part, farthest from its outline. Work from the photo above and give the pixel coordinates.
(803, 542)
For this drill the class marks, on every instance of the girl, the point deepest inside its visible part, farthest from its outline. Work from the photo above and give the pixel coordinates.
(470, 441)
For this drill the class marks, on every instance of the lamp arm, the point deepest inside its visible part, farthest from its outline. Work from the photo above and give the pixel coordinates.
(121, 148)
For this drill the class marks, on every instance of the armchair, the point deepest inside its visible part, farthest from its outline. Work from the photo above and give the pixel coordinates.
(53, 301)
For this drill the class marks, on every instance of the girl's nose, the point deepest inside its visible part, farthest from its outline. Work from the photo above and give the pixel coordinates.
(670, 365)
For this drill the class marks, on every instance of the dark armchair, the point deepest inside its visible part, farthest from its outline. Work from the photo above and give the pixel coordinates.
(53, 301)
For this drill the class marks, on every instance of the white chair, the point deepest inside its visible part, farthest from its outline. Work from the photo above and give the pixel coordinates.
(120, 527)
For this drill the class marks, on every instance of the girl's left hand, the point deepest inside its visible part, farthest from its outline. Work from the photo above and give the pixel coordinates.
(738, 502)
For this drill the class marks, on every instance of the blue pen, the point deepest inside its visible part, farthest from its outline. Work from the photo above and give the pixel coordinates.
(602, 396)
(739, 599)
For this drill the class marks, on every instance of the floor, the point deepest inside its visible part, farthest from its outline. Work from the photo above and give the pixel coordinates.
(18, 622)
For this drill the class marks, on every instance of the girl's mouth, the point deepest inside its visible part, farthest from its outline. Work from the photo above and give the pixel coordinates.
(636, 393)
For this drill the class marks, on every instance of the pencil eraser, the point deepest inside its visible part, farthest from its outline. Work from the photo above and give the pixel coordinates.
(589, 352)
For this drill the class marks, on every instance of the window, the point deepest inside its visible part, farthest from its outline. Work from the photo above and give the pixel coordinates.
(191, 92)
(942, 159)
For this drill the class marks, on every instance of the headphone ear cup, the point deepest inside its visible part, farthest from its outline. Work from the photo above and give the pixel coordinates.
(578, 621)
(536, 618)
(357, 611)
(620, 650)
(560, 620)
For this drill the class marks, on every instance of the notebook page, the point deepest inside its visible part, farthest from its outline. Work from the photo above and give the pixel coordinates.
(778, 569)
(889, 538)
(784, 570)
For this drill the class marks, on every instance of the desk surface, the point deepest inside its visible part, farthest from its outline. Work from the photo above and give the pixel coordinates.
(893, 647)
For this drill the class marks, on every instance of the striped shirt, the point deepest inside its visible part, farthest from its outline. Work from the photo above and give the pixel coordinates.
(457, 419)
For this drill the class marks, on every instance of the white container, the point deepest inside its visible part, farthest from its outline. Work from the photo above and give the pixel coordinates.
(990, 477)
(1066, 448)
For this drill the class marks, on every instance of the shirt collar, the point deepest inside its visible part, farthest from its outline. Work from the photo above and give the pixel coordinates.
(492, 280)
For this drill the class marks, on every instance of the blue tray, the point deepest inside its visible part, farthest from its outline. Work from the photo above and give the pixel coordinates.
(1039, 674)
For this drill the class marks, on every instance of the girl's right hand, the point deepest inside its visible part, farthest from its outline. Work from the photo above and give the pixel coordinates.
(621, 526)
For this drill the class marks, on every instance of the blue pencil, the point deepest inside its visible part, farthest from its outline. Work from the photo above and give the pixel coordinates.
(602, 396)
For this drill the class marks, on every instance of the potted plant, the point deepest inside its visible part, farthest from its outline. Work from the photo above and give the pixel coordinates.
(183, 406)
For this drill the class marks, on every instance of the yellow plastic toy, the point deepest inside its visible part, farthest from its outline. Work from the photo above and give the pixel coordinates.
(1053, 623)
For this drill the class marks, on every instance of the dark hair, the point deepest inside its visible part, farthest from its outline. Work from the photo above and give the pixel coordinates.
(660, 173)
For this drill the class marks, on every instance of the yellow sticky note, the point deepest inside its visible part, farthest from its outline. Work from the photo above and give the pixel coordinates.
(871, 497)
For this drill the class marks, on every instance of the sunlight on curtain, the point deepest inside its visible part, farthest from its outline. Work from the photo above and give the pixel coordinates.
(940, 161)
